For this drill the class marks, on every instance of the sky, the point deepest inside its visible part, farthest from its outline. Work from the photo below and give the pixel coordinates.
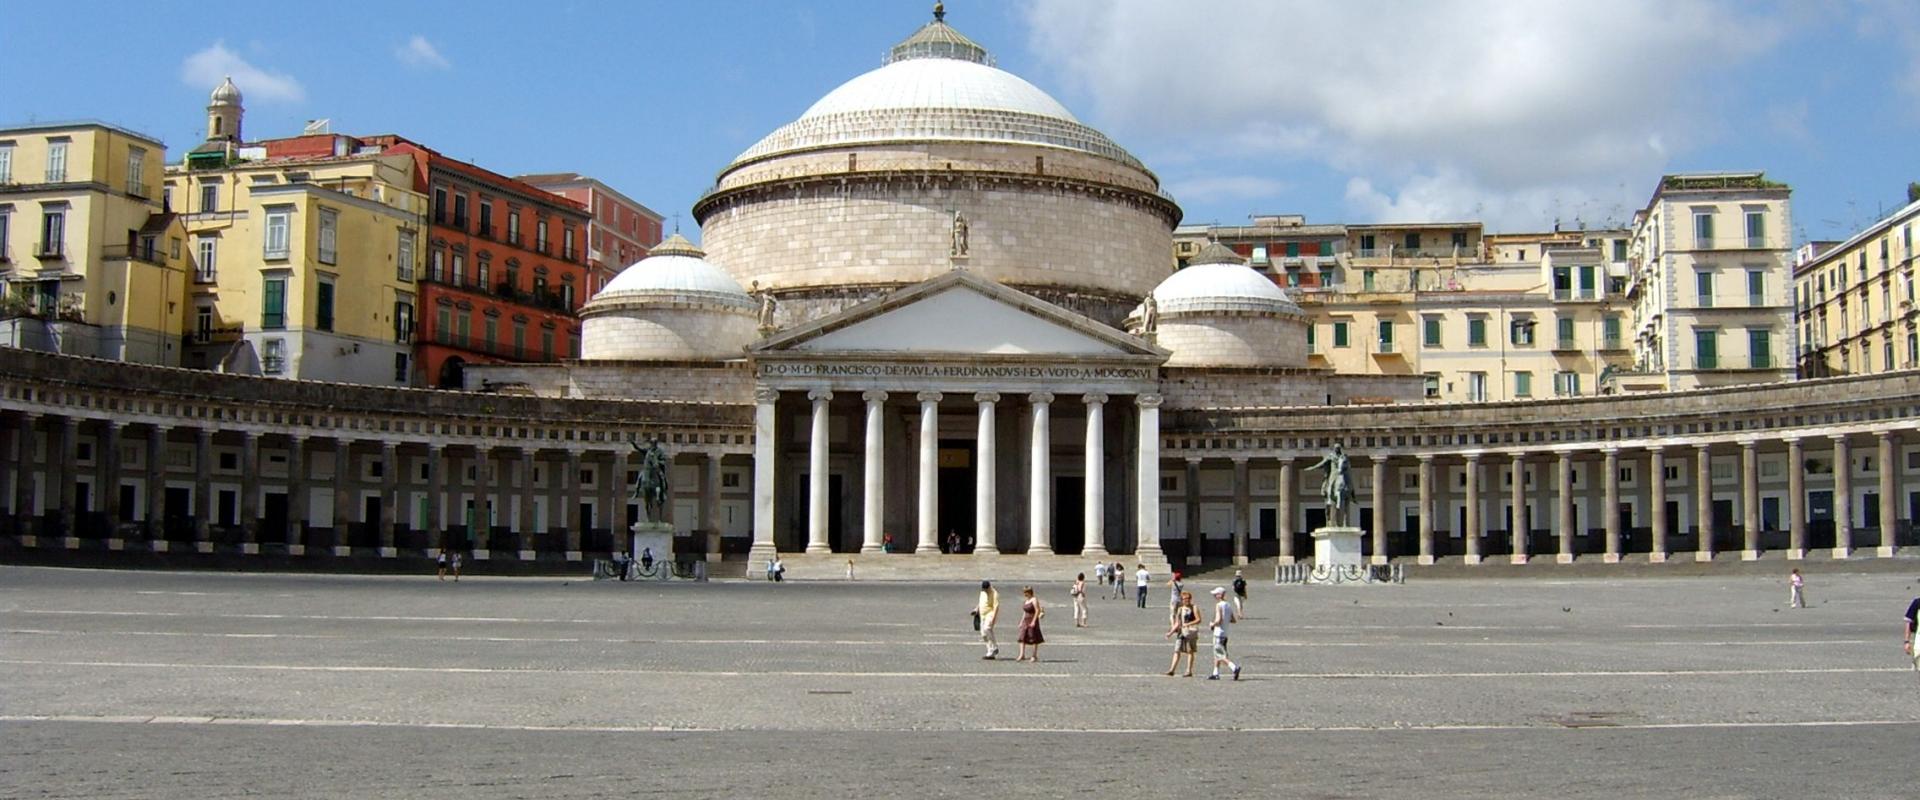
(1517, 113)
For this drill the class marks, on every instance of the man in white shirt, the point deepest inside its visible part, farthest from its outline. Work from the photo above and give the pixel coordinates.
(1140, 581)
(1223, 618)
(988, 609)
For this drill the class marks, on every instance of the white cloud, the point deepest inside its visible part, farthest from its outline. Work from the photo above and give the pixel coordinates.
(418, 52)
(207, 68)
(1516, 103)
(1208, 188)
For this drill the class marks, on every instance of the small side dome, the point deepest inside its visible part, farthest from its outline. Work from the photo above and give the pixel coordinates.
(226, 94)
(1218, 312)
(1218, 279)
(672, 304)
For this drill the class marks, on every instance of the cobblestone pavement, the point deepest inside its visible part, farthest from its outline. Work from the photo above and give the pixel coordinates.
(139, 684)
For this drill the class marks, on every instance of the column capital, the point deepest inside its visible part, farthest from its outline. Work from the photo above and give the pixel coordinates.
(1838, 438)
(1238, 460)
(1610, 452)
(765, 394)
(70, 421)
(436, 448)
(1092, 399)
(1654, 449)
(1148, 400)
(1885, 435)
(1193, 461)
(1703, 447)
(1748, 445)
(1564, 456)
(387, 447)
(199, 434)
(874, 398)
(819, 395)
(1040, 397)
(928, 397)
(248, 436)
(1472, 458)
(1425, 458)
(986, 397)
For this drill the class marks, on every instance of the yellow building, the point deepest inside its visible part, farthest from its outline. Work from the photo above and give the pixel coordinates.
(303, 254)
(90, 261)
(1854, 302)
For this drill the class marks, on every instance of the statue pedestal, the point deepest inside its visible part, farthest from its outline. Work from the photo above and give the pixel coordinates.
(655, 536)
(1337, 547)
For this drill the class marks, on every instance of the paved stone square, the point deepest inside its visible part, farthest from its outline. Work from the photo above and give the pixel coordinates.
(140, 684)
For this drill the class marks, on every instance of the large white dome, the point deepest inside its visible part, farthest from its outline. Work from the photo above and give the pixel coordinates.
(939, 83)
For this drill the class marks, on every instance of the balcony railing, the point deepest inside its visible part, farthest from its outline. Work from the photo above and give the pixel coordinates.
(1566, 343)
(54, 249)
(145, 253)
(1612, 343)
(1706, 362)
(137, 189)
(1731, 243)
(1384, 347)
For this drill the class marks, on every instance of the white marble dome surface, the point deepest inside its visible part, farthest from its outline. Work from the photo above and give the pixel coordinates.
(676, 268)
(671, 305)
(1221, 287)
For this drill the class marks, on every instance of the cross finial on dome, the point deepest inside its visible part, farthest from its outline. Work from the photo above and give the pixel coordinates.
(939, 12)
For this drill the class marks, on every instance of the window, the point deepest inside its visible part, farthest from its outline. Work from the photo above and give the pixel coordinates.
(209, 195)
(436, 266)
(460, 210)
(273, 304)
(519, 339)
(136, 167)
(1459, 241)
(513, 227)
(490, 332)
(459, 271)
(6, 163)
(439, 205)
(1430, 334)
(1367, 245)
(465, 329)
(1367, 280)
(323, 305)
(1476, 331)
(1477, 387)
(1703, 228)
(540, 236)
(1411, 241)
(1589, 290)
(403, 321)
(208, 248)
(279, 221)
(56, 160)
(1756, 229)
(486, 218)
(546, 345)
(1756, 287)
(1522, 383)
(1386, 336)
(1703, 288)
(1760, 348)
(443, 324)
(6, 239)
(1312, 338)
(1706, 348)
(273, 356)
(1430, 383)
(512, 280)
(1566, 384)
(566, 244)
(1619, 249)
(1522, 332)
(1610, 331)
(1562, 283)
(402, 368)
(566, 295)
(403, 257)
(1565, 337)
(53, 233)
(203, 324)
(1339, 334)
(329, 235)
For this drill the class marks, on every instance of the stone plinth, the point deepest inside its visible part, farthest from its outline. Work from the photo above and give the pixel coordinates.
(1337, 547)
(655, 536)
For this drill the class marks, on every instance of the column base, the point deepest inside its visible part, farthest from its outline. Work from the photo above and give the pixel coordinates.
(1041, 550)
(757, 558)
(526, 555)
(29, 540)
(818, 548)
(71, 542)
(927, 550)
(1656, 558)
(1796, 555)
(1094, 552)
(1610, 558)
(1194, 561)
(1842, 553)
(1425, 561)
(483, 554)
(1470, 558)
(1377, 560)
(116, 545)
(342, 551)
(250, 549)
(1284, 560)
(1884, 551)
(203, 547)
(389, 552)
(871, 548)
(1517, 559)
(986, 551)
(575, 555)
(1703, 557)
(296, 549)
(1240, 561)
(1749, 555)
(1563, 558)
(157, 545)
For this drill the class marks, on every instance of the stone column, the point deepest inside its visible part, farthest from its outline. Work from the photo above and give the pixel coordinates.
(1750, 500)
(1703, 501)
(10, 466)
(873, 499)
(1610, 465)
(342, 496)
(1842, 498)
(764, 449)
(1889, 508)
(985, 497)
(297, 496)
(1196, 540)
(1563, 508)
(1040, 477)
(203, 489)
(577, 521)
(1095, 538)
(710, 504)
(250, 492)
(616, 511)
(1242, 509)
(390, 504)
(1283, 512)
(817, 473)
(65, 486)
(1426, 509)
(489, 477)
(1657, 483)
(929, 473)
(1796, 500)
(1380, 513)
(1147, 531)
(1471, 536)
(23, 480)
(108, 480)
(156, 485)
(1517, 495)
(528, 535)
(436, 496)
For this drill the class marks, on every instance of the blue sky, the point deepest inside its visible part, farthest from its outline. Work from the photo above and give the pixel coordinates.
(1515, 113)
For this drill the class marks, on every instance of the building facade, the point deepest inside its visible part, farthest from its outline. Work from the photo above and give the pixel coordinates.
(1710, 283)
(1854, 301)
(622, 230)
(90, 262)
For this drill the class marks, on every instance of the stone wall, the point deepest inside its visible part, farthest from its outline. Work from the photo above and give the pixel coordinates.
(655, 332)
(1209, 391)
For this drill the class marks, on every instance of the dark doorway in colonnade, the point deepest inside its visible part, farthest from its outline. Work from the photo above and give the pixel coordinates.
(1820, 520)
(1069, 514)
(452, 373)
(957, 471)
(1724, 536)
(273, 526)
(839, 539)
(177, 521)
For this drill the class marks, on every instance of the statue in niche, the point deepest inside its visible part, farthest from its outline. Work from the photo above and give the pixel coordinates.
(650, 484)
(1337, 489)
(959, 235)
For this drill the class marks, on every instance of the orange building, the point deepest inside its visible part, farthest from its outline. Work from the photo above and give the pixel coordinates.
(622, 232)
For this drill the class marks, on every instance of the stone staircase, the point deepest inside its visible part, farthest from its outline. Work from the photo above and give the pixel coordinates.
(1001, 569)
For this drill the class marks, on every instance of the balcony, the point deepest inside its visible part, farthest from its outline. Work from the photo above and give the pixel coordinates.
(273, 365)
(1706, 362)
(1731, 243)
(141, 190)
(1385, 348)
(147, 253)
(51, 250)
(486, 231)
(1612, 343)
(1566, 345)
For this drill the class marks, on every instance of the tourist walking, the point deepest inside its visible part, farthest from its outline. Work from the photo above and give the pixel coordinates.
(1140, 580)
(986, 611)
(1031, 613)
(1239, 594)
(1119, 574)
(1913, 620)
(849, 569)
(1079, 594)
(457, 558)
(1185, 633)
(443, 563)
(1100, 573)
(1222, 620)
(1796, 589)
(1173, 594)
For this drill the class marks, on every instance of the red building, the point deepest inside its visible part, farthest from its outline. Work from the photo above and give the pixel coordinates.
(507, 269)
(622, 231)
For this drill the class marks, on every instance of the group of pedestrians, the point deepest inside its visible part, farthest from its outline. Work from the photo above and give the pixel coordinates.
(1184, 618)
(986, 612)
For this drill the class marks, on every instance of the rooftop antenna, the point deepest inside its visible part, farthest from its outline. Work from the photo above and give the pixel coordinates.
(676, 222)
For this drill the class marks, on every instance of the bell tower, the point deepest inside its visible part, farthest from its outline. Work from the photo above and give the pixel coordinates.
(223, 113)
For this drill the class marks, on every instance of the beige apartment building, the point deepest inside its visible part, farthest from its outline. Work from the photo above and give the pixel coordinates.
(1709, 284)
(90, 262)
(1854, 301)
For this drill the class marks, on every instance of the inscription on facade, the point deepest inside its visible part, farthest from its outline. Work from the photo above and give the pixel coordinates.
(1057, 372)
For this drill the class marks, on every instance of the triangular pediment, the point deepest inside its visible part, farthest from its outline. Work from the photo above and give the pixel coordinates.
(959, 314)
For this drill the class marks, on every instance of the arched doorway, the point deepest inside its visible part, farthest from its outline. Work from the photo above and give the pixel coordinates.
(453, 373)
